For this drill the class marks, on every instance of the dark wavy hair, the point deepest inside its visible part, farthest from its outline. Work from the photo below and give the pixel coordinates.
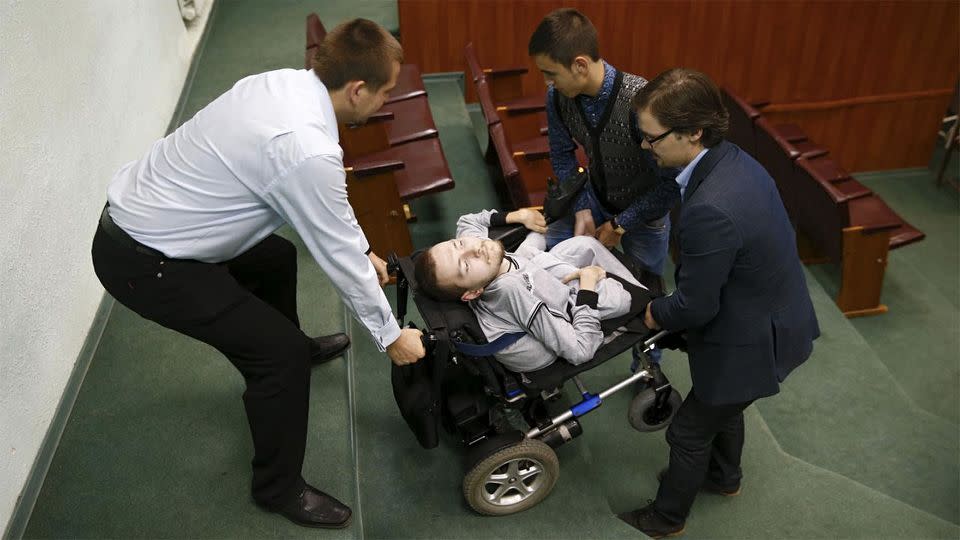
(686, 100)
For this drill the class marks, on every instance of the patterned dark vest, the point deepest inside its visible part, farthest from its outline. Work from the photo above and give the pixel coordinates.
(619, 170)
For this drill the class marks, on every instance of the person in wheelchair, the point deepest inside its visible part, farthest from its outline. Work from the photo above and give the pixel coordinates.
(551, 303)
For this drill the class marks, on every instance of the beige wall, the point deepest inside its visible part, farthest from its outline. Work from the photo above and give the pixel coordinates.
(85, 85)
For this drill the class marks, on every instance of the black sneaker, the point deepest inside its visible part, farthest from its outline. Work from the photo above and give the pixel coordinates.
(709, 486)
(651, 523)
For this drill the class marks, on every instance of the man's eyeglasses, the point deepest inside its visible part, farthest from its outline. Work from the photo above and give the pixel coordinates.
(651, 140)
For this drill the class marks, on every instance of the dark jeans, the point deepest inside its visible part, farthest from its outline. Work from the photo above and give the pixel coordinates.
(247, 309)
(705, 441)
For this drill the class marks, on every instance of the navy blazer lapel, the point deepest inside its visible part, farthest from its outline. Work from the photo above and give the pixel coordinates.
(705, 166)
(700, 172)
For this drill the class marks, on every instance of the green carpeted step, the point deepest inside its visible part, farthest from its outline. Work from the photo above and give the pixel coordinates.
(783, 496)
(919, 338)
(844, 411)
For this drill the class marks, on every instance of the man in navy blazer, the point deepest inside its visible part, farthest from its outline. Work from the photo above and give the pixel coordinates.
(741, 296)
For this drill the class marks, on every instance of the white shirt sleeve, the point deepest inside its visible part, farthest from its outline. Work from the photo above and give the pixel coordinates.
(312, 198)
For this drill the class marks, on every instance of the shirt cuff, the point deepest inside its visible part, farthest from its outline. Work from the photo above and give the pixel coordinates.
(387, 334)
(498, 219)
(656, 311)
(582, 202)
(587, 298)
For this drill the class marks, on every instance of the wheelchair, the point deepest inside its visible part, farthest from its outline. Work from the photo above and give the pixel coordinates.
(507, 423)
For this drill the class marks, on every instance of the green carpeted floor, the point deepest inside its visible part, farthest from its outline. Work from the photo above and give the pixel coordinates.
(862, 442)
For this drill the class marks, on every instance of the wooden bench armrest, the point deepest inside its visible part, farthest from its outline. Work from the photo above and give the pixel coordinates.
(791, 133)
(428, 133)
(487, 107)
(403, 97)
(504, 72)
(499, 141)
(815, 153)
(524, 105)
(379, 116)
(530, 149)
(845, 190)
(872, 214)
(375, 167)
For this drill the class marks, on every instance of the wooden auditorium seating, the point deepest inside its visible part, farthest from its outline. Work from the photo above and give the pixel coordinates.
(412, 119)
(837, 218)
(848, 224)
(777, 154)
(827, 171)
(530, 154)
(742, 116)
(506, 84)
(425, 167)
(376, 204)
(517, 126)
(523, 116)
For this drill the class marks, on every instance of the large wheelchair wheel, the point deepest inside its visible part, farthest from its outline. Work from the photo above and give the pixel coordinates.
(645, 416)
(512, 479)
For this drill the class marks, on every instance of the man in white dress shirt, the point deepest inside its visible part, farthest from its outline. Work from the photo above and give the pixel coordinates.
(187, 241)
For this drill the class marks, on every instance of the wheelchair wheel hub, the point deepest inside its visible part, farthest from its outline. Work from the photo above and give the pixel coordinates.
(512, 479)
(513, 482)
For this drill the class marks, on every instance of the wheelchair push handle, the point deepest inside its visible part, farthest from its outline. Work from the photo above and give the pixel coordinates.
(393, 264)
(651, 341)
(393, 269)
(428, 339)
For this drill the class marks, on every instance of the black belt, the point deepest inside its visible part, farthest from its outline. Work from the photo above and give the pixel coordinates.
(119, 235)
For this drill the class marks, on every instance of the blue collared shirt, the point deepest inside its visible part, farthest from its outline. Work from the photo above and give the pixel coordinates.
(684, 177)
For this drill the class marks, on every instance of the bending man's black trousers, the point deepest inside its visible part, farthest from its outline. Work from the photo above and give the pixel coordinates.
(706, 441)
(247, 309)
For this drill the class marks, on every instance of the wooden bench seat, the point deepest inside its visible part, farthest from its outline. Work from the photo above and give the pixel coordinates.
(776, 148)
(742, 117)
(853, 227)
(412, 120)
(425, 168)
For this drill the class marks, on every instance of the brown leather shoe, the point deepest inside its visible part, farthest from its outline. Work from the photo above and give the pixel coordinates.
(314, 508)
(651, 523)
(708, 486)
(326, 348)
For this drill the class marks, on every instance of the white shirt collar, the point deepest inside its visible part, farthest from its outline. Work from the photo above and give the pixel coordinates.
(330, 116)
